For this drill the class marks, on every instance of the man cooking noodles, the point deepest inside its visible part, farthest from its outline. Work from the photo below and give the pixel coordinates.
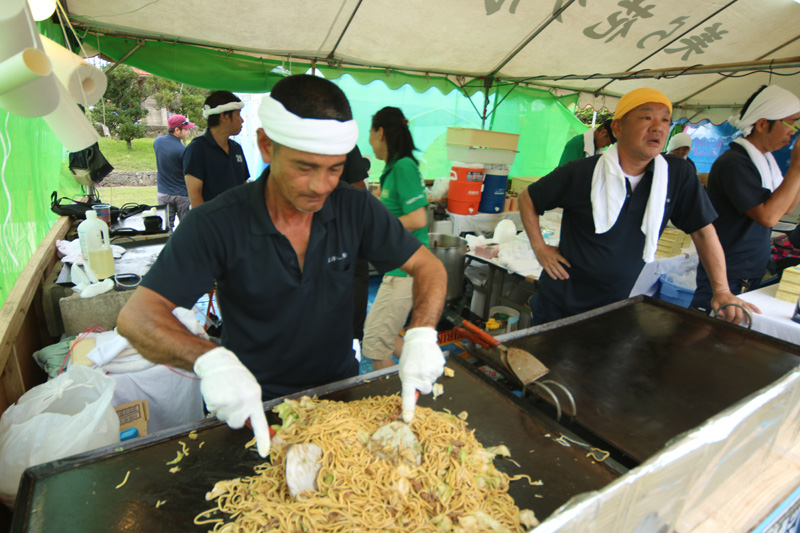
(282, 251)
(615, 207)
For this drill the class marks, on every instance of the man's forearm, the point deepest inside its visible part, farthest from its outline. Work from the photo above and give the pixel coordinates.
(148, 324)
(712, 256)
(530, 220)
(430, 290)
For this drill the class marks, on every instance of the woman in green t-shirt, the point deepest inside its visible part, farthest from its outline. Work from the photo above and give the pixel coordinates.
(403, 194)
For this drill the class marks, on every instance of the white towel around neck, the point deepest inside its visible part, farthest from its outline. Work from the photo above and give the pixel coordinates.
(588, 142)
(771, 176)
(609, 192)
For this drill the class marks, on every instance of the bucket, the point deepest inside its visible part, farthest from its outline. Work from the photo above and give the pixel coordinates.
(463, 197)
(674, 294)
(507, 317)
(450, 250)
(495, 182)
(466, 172)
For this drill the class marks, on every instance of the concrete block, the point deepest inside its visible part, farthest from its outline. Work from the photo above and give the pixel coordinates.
(80, 314)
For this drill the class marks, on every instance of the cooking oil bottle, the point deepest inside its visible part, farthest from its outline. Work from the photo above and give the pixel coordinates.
(95, 246)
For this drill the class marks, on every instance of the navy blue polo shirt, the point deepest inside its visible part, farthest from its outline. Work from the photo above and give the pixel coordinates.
(293, 329)
(606, 266)
(734, 186)
(169, 163)
(207, 161)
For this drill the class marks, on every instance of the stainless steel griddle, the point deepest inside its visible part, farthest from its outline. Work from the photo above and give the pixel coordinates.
(643, 371)
(79, 492)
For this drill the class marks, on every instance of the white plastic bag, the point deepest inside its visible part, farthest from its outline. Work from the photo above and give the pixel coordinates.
(67, 415)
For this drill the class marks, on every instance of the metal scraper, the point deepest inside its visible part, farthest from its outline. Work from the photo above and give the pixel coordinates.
(525, 366)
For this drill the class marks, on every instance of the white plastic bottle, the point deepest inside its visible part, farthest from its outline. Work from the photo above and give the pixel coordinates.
(95, 246)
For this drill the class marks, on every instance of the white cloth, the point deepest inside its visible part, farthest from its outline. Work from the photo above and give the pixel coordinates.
(773, 103)
(315, 136)
(609, 192)
(771, 175)
(230, 106)
(588, 142)
(421, 363)
(679, 140)
(232, 393)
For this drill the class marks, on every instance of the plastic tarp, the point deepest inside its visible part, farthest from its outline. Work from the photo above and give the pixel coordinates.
(455, 43)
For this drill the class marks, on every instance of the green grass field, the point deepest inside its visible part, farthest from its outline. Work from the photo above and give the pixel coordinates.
(119, 196)
(140, 158)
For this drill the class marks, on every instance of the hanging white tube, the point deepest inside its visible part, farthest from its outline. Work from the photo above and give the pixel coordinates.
(23, 68)
(33, 98)
(86, 83)
(70, 125)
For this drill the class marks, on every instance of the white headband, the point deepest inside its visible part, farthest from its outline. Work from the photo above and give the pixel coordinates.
(773, 103)
(679, 140)
(315, 136)
(230, 106)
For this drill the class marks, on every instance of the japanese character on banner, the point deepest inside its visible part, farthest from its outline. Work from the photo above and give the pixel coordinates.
(696, 44)
(663, 34)
(493, 6)
(617, 24)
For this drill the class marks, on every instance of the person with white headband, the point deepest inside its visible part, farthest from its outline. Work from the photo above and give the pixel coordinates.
(282, 251)
(749, 191)
(588, 143)
(680, 145)
(214, 163)
(615, 207)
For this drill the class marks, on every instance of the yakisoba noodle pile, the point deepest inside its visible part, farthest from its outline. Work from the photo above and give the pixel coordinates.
(456, 487)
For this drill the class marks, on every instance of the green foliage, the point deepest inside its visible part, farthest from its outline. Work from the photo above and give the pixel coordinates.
(123, 109)
(179, 98)
(585, 115)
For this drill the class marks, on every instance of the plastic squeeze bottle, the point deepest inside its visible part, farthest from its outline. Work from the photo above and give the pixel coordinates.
(95, 246)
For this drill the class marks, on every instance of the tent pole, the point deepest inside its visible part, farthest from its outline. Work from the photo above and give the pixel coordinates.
(139, 44)
(487, 86)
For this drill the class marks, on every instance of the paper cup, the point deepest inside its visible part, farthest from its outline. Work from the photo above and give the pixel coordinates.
(103, 212)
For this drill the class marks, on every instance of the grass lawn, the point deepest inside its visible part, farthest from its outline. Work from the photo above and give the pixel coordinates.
(119, 196)
(140, 158)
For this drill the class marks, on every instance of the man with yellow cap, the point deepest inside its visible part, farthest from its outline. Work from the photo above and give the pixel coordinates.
(749, 192)
(615, 206)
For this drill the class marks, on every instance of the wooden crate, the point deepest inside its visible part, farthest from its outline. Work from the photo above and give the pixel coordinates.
(789, 287)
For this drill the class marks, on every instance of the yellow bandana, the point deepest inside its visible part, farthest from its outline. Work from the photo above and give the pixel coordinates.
(637, 97)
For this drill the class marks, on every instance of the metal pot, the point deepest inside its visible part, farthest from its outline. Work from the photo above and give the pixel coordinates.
(450, 250)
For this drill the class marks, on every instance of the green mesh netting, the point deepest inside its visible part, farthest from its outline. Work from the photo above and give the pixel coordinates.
(545, 122)
(33, 164)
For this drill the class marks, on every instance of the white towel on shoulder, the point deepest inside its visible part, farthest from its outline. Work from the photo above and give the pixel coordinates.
(771, 175)
(588, 142)
(609, 192)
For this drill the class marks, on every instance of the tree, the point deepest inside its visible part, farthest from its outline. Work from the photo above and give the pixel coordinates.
(178, 98)
(122, 110)
(585, 115)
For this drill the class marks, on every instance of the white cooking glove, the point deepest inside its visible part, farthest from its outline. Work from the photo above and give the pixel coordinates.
(421, 363)
(232, 393)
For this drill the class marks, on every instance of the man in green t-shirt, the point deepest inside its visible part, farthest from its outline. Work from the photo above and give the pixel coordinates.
(589, 143)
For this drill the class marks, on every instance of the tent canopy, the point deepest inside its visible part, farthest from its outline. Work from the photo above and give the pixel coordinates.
(597, 48)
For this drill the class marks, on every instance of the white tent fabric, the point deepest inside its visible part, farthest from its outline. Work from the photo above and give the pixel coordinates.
(537, 41)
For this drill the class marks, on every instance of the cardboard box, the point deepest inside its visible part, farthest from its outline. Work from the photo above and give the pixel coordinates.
(482, 138)
(520, 183)
(486, 156)
(134, 415)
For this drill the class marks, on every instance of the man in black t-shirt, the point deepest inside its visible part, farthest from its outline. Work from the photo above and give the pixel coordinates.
(282, 252)
(748, 191)
(615, 207)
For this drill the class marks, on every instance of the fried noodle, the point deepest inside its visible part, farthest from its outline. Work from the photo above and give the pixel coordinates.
(455, 488)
